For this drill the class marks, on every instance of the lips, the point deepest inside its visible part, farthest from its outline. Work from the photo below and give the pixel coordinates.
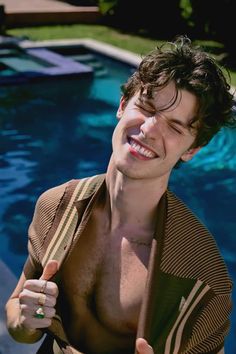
(139, 150)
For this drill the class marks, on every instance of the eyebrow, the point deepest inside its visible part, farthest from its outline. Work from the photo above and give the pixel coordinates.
(146, 101)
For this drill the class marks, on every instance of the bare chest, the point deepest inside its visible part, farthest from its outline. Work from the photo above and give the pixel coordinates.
(103, 284)
(121, 285)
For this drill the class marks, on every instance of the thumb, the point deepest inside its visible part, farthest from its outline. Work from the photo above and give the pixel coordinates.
(143, 347)
(50, 270)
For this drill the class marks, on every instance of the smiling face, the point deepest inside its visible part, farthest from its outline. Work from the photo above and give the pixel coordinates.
(153, 134)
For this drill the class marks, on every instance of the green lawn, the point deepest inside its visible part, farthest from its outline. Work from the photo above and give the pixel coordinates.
(137, 44)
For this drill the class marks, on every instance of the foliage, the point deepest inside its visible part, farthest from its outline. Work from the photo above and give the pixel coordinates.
(152, 18)
(107, 6)
(186, 10)
(202, 19)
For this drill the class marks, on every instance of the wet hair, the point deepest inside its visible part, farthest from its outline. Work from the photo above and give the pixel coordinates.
(191, 69)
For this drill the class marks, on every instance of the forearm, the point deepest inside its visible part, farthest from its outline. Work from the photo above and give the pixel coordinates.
(15, 327)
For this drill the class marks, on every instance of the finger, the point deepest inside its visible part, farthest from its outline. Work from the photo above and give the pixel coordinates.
(33, 298)
(35, 323)
(36, 286)
(29, 312)
(143, 347)
(50, 301)
(50, 270)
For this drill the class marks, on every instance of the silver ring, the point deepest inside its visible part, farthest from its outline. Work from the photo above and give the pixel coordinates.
(42, 290)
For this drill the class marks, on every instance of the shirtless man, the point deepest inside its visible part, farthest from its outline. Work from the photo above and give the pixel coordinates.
(135, 279)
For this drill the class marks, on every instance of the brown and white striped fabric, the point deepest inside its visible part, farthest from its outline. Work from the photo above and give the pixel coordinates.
(187, 300)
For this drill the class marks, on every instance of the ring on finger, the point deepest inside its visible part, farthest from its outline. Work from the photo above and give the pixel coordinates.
(39, 313)
(42, 290)
(42, 299)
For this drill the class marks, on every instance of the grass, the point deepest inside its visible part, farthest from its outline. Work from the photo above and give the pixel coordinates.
(132, 42)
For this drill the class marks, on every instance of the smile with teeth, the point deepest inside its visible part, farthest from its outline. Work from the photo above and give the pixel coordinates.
(141, 149)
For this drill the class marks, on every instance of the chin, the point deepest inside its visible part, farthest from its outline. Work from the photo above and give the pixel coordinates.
(133, 173)
(127, 171)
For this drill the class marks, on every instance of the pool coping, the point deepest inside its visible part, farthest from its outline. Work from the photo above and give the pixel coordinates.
(100, 47)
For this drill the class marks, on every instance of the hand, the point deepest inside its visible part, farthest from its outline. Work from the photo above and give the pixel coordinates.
(143, 347)
(39, 293)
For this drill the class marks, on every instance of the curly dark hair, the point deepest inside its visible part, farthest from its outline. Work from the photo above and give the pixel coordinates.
(192, 69)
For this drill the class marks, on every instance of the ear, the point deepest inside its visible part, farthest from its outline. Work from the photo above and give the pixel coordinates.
(120, 110)
(188, 155)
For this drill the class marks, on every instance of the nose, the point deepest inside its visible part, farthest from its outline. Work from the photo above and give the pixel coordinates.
(151, 127)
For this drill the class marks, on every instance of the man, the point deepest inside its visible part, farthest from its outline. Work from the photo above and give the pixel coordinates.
(117, 263)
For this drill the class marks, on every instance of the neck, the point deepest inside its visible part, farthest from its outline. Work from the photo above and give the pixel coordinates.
(133, 202)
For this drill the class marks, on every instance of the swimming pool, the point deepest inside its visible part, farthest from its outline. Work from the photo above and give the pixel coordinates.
(51, 133)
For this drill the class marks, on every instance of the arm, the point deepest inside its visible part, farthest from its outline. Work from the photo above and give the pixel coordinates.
(22, 304)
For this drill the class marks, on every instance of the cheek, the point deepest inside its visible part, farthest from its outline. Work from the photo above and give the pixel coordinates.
(177, 146)
(118, 136)
(114, 136)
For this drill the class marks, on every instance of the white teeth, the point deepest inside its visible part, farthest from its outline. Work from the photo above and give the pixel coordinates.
(141, 150)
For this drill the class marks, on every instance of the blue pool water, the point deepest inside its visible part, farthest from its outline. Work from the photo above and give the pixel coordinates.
(52, 132)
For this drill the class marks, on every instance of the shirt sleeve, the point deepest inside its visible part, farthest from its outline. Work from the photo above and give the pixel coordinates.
(212, 326)
(44, 214)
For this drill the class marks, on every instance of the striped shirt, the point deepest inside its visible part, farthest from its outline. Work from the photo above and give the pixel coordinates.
(187, 300)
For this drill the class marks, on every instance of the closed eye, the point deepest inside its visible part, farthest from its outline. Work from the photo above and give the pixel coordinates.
(174, 128)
